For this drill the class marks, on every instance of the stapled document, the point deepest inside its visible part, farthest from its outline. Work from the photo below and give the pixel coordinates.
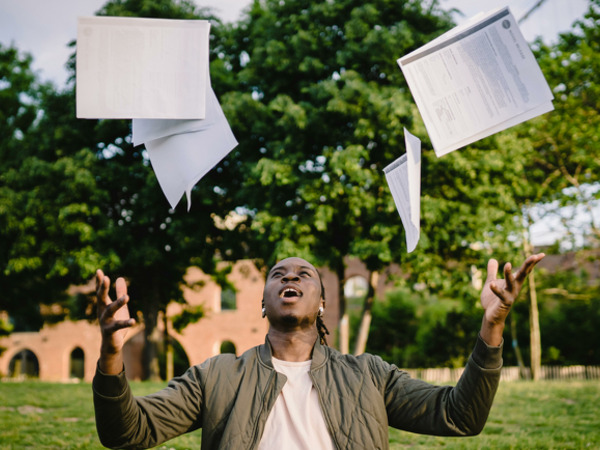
(476, 80)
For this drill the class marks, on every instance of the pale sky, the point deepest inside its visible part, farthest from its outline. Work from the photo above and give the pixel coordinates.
(44, 27)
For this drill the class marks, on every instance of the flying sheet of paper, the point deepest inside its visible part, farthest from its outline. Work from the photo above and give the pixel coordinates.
(141, 68)
(181, 160)
(145, 130)
(476, 80)
(404, 179)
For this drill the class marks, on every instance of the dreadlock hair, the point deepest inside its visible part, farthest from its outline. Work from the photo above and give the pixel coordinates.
(321, 328)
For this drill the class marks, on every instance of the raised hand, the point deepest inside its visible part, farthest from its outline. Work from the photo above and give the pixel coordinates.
(498, 296)
(114, 320)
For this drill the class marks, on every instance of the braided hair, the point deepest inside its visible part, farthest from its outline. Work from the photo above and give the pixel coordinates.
(321, 328)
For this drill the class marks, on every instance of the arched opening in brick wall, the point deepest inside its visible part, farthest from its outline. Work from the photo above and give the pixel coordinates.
(227, 347)
(24, 364)
(77, 363)
(132, 356)
(228, 299)
(356, 289)
(174, 354)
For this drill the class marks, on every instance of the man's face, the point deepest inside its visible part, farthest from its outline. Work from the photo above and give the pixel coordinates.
(293, 293)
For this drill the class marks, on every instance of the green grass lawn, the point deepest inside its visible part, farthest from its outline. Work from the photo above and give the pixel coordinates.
(526, 415)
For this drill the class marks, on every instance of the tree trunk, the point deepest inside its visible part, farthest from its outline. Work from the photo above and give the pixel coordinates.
(344, 326)
(365, 321)
(535, 342)
(515, 344)
(150, 353)
(534, 324)
(344, 333)
(169, 362)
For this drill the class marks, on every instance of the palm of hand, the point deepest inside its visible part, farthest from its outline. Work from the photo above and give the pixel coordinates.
(496, 300)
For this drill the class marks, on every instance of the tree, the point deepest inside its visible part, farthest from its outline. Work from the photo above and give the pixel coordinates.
(78, 196)
(153, 245)
(319, 110)
(563, 162)
(47, 198)
(319, 107)
(571, 311)
(19, 92)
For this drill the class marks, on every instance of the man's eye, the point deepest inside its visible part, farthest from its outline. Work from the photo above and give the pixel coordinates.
(304, 273)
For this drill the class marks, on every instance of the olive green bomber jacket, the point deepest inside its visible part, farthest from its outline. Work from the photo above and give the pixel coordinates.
(230, 398)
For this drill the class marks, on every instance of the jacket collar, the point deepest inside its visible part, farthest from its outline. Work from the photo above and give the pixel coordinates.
(319, 354)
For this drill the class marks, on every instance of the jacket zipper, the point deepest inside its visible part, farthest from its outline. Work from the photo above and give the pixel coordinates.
(324, 411)
(262, 407)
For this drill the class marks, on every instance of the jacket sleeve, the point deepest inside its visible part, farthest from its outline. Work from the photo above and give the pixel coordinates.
(125, 421)
(462, 410)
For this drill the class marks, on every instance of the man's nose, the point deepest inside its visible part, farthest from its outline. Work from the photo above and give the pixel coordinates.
(290, 277)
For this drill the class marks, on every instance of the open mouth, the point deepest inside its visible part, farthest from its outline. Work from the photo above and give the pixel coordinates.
(290, 293)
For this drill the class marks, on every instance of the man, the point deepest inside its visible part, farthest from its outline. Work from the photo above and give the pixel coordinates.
(293, 392)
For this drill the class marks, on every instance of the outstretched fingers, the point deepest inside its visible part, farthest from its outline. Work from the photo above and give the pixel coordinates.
(513, 282)
(528, 266)
(102, 285)
(492, 270)
(111, 322)
(121, 288)
(113, 315)
(491, 279)
(509, 278)
(502, 293)
(113, 307)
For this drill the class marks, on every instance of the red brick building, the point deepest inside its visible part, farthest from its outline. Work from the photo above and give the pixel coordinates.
(69, 350)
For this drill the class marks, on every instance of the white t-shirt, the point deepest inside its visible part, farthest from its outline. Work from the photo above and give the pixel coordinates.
(296, 421)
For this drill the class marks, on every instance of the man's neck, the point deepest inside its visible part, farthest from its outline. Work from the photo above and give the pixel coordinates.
(292, 345)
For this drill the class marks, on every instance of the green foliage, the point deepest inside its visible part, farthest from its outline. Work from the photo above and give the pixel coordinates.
(570, 314)
(154, 245)
(172, 9)
(419, 329)
(5, 329)
(569, 331)
(187, 316)
(328, 120)
(394, 326)
(19, 91)
(329, 105)
(486, 190)
(48, 197)
(79, 196)
(564, 160)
